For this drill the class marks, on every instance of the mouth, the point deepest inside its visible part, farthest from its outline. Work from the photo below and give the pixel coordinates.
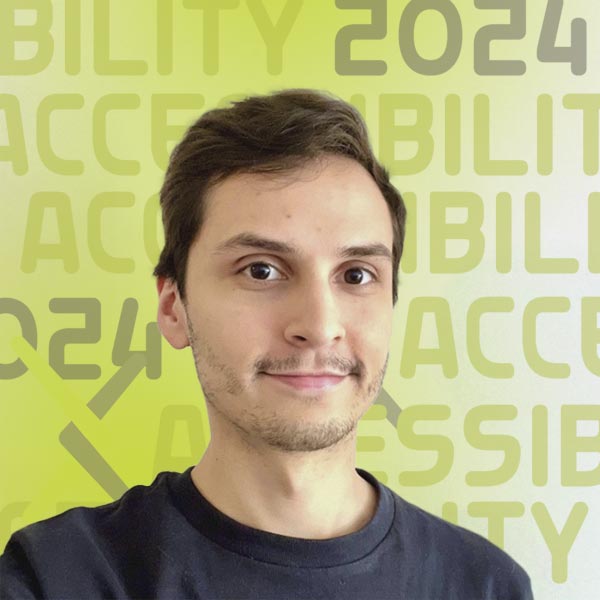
(302, 381)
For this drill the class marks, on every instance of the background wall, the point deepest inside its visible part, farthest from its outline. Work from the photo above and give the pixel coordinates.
(486, 113)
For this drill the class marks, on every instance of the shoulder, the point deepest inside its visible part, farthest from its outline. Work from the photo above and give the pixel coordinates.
(83, 521)
(465, 558)
(79, 538)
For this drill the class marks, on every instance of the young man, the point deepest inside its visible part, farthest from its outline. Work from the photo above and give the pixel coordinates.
(283, 238)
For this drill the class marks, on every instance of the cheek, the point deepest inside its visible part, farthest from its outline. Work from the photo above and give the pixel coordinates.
(243, 330)
(371, 333)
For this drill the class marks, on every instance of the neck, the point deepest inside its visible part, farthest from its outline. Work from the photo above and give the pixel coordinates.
(313, 495)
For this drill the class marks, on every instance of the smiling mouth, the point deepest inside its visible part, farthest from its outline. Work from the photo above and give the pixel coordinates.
(309, 381)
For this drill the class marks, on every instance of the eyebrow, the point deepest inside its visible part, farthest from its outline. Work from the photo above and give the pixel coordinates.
(247, 239)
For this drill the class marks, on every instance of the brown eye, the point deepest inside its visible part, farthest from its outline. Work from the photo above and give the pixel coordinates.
(260, 271)
(356, 275)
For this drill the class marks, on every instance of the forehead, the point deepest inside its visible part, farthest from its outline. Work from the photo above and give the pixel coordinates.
(332, 201)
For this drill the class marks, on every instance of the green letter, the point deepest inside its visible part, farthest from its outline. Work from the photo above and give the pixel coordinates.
(102, 201)
(408, 262)
(105, 105)
(72, 37)
(590, 333)
(539, 445)
(374, 30)
(444, 354)
(211, 30)
(534, 360)
(180, 438)
(103, 64)
(534, 261)
(88, 334)
(162, 133)
(419, 131)
(503, 232)
(559, 544)
(478, 360)
(507, 444)
(572, 444)
(593, 237)
(484, 165)
(496, 513)
(38, 32)
(440, 444)
(11, 306)
(590, 105)
(152, 231)
(164, 37)
(65, 249)
(442, 231)
(452, 135)
(47, 106)
(274, 34)
(15, 151)
(545, 135)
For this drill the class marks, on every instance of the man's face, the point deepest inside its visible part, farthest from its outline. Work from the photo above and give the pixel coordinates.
(254, 311)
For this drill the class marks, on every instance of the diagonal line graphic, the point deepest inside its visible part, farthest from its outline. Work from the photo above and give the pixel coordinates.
(61, 393)
(111, 391)
(92, 461)
(392, 409)
(79, 435)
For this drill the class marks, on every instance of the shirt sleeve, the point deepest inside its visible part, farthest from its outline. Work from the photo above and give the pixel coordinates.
(520, 588)
(17, 577)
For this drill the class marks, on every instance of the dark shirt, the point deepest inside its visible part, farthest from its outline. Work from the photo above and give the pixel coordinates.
(167, 541)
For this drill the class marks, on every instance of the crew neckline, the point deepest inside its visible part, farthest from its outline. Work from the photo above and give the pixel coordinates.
(280, 549)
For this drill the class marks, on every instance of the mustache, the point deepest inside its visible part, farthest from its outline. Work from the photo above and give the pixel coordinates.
(295, 363)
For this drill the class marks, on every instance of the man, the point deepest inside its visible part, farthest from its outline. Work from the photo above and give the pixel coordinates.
(283, 236)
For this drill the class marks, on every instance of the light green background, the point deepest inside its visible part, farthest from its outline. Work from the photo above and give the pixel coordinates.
(40, 478)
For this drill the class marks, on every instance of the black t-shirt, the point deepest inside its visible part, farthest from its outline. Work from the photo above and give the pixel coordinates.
(166, 540)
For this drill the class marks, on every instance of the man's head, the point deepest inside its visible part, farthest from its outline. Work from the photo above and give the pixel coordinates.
(263, 134)
(288, 266)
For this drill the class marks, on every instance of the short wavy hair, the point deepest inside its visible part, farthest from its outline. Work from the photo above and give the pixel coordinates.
(275, 133)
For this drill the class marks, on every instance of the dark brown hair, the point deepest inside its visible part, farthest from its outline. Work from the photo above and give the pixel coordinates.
(262, 134)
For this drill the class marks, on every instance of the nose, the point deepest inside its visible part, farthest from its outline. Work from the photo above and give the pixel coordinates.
(314, 315)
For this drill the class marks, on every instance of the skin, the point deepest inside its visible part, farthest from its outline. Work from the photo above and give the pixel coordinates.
(292, 451)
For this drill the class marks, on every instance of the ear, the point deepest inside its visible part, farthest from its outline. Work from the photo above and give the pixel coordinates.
(172, 320)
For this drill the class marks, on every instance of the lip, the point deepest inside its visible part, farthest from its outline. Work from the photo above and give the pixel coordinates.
(309, 381)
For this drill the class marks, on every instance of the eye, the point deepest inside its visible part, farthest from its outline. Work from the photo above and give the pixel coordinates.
(355, 275)
(260, 270)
